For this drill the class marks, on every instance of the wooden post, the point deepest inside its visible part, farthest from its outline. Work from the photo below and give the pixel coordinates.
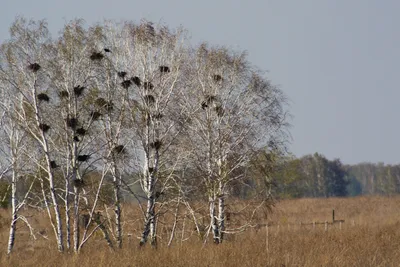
(326, 226)
(333, 215)
(267, 238)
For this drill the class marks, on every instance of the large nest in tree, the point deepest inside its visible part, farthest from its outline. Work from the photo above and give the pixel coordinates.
(95, 115)
(44, 127)
(72, 122)
(122, 74)
(63, 94)
(126, 84)
(76, 139)
(81, 131)
(43, 97)
(156, 145)
(149, 99)
(34, 67)
(107, 50)
(96, 56)
(78, 90)
(136, 80)
(78, 183)
(83, 157)
(217, 78)
(164, 69)
(53, 164)
(119, 149)
(148, 86)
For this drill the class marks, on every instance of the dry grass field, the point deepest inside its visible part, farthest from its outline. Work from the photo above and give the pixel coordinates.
(370, 236)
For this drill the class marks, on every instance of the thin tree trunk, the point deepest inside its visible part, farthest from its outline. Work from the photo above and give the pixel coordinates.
(76, 219)
(117, 210)
(150, 220)
(67, 215)
(149, 224)
(14, 213)
(46, 150)
(221, 215)
(213, 220)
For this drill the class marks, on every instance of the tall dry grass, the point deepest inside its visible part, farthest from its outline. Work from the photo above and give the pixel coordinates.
(370, 236)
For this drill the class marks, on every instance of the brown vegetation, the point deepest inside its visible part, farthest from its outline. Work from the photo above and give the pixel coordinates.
(369, 237)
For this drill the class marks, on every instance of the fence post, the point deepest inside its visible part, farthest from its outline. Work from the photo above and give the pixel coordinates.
(267, 238)
(333, 215)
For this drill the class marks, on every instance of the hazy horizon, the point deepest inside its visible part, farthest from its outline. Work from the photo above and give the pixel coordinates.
(337, 61)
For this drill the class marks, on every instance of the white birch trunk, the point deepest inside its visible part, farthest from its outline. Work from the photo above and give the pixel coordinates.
(14, 213)
(213, 220)
(76, 219)
(221, 214)
(67, 215)
(117, 210)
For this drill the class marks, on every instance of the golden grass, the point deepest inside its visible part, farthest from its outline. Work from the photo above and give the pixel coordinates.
(370, 236)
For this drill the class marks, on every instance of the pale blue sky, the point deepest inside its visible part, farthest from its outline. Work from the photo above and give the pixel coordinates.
(337, 60)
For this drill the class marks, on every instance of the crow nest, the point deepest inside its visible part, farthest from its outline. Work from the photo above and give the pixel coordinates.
(136, 80)
(53, 164)
(78, 183)
(119, 149)
(148, 85)
(81, 131)
(83, 158)
(217, 78)
(43, 97)
(126, 84)
(156, 145)
(63, 94)
(122, 74)
(164, 69)
(44, 127)
(78, 90)
(34, 67)
(107, 50)
(76, 139)
(149, 99)
(207, 101)
(96, 56)
(95, 115)
(72, 122)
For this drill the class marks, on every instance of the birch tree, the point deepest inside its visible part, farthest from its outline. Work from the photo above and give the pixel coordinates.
(236, 112)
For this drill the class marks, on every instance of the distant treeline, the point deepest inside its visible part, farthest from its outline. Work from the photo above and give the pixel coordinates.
(316, 176)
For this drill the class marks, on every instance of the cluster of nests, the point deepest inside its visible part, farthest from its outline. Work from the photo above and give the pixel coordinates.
(78, 91)
(211, 100)
(95, 56)
(126, 83)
